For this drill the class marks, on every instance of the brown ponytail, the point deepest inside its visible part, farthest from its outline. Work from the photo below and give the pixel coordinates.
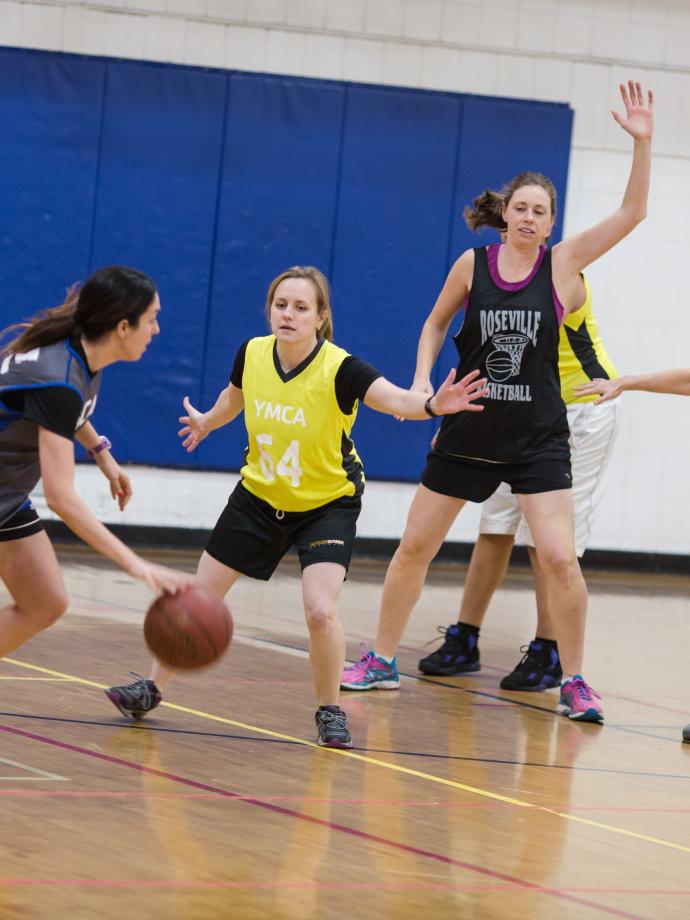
(487, 211)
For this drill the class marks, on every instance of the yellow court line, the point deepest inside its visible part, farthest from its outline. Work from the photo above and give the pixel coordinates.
(48, 679)
(363, 758)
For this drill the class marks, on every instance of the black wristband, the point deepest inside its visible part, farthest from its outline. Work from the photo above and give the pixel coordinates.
(427, 407)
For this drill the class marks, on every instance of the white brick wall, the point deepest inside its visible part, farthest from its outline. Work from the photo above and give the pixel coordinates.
(572, 51)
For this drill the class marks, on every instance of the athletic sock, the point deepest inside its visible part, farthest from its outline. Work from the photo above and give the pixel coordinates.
(384, 658)
(469, 627)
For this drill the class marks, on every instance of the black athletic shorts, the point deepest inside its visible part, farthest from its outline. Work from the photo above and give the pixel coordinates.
(23, 523)
(476, 481)
(252, 537)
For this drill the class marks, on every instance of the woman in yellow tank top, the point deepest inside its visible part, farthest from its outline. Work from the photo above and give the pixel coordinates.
(302, 479)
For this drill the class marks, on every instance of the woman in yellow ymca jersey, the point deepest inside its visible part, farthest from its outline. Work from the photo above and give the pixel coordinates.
(302, 479)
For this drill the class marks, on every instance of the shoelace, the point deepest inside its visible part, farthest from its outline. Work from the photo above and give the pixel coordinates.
(140, 690)
(363, 662)
(530, 656)
(584, 691)
(444, 630)
(338, 719)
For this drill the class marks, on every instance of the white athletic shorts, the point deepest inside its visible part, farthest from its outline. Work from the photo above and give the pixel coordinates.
(592, 433)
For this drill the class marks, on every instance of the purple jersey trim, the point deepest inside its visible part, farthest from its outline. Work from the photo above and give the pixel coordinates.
(492, 258)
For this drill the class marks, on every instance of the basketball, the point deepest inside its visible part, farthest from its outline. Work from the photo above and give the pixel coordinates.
(499, 366)
(188, 629)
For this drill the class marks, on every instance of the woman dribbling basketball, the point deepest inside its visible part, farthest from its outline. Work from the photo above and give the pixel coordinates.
(50, 376)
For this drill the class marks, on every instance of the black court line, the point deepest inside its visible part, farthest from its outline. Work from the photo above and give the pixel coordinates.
(138, 727)
(421, 678)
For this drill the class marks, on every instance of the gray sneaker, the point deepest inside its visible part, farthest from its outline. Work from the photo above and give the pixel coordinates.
(332, 726)
(135, 699)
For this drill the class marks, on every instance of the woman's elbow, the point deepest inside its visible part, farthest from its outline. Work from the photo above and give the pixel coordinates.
(57, 499)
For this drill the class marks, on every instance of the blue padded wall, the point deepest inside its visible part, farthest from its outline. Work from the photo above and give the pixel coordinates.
(156, 206)
(277, 209)
(50, 112)
(390, 252)
(214, 182)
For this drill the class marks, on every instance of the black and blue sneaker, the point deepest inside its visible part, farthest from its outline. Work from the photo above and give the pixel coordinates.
(539, 669)
(686, 734)
(459, 653)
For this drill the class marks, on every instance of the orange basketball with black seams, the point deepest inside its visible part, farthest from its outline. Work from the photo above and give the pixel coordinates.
(188, 629)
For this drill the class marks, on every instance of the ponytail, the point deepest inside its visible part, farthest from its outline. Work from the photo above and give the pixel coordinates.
(46, 327)
(487, 211)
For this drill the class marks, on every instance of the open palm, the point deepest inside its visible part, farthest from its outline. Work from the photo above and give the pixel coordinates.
(639, 116)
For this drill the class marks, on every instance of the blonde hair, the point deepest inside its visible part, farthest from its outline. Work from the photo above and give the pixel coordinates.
(321, 287)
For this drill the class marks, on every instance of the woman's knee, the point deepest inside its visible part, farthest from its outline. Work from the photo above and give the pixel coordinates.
(322, 617)
(48, 610)
(560, 565)
(414, 550)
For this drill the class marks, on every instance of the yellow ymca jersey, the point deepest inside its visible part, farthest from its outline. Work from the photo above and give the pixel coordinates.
(581, 353)
(300, 455)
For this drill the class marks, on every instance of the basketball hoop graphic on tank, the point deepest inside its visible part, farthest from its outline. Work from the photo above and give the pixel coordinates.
(505, 361)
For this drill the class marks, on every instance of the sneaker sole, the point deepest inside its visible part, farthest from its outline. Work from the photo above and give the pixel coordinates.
(115, 700)
(448, 672)
(379, 685)
(539, 689)
(589, 715)
(334, 744)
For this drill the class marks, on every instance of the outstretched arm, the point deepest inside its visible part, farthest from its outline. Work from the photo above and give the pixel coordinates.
(451, 397)
(577, 252)
(676, 382)
(197, 425)
(448, 303)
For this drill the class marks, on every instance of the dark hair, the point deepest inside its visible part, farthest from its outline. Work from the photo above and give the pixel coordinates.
(323, 294)
(92, 309)
(487, 209)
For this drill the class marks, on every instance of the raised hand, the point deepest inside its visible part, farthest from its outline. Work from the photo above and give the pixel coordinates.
(609, 389)
(639, 117)
(460, 397)
(195, 428)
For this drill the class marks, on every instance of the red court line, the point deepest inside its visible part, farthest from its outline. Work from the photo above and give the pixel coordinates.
(342, 828)
(326, 886)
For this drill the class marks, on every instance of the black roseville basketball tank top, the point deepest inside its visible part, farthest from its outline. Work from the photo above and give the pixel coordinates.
(510, 333)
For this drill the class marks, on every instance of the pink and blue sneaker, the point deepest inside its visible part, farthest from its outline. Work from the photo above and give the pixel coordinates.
(371, 673)
(579, 701)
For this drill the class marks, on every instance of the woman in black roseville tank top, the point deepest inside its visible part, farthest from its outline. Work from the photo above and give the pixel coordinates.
(516, 296)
